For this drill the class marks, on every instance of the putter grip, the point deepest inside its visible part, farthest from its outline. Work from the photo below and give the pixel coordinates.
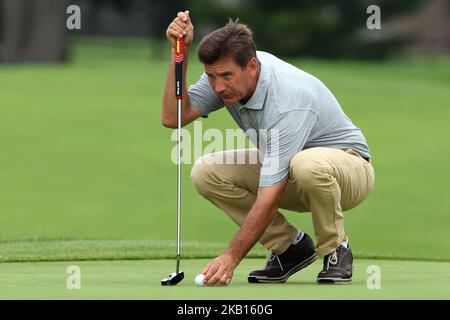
(179, 46)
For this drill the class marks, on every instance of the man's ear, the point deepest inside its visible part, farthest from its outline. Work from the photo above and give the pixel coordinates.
(253, 64)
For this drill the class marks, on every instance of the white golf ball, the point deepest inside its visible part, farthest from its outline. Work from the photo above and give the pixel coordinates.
(199, 279)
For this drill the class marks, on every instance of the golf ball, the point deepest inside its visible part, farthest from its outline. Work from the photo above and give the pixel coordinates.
(199, 279)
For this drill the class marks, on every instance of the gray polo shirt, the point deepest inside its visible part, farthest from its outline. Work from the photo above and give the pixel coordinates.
(289, 111)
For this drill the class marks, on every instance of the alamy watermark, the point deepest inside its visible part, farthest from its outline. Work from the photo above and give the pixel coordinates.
(374, 280)
(213, 141)
(74, 279)
(73, 21)
(374, 20)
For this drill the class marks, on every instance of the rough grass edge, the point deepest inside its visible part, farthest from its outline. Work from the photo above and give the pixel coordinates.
(45, 249)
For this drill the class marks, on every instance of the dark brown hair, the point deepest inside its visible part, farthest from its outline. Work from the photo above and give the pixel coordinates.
(233, 40)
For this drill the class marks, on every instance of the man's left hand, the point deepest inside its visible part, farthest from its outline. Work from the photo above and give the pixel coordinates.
(220, 270)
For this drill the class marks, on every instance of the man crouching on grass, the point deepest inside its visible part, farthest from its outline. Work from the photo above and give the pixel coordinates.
(314, 158)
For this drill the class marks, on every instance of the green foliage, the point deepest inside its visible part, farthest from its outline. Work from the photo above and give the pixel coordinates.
(323, 28)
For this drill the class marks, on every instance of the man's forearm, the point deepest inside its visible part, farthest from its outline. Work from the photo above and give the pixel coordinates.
(254, 225)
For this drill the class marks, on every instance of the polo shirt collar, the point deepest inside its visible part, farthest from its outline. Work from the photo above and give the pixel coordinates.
(256, 102)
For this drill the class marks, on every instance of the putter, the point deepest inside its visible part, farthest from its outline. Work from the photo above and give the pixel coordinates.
(177, 276)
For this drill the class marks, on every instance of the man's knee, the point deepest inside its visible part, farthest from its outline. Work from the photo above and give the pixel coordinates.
(306, 170)
(201, 175)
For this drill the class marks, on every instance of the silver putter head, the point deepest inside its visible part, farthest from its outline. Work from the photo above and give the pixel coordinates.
(173, 279)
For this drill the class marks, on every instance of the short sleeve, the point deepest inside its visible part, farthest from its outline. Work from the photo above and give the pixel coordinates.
(283, 142)
(203, 98)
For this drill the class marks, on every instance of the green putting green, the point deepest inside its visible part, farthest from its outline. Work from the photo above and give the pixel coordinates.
(141, 280)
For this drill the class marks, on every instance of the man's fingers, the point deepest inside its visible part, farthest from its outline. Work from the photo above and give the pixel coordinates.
(175, 30)
(206, 269)
(219, 271)
(219, 278)
(213, 280)
(183, 16)
(173, 33)
(217, 274)
(189, 22)
(225, 280)
(182, 25)
(212, 270)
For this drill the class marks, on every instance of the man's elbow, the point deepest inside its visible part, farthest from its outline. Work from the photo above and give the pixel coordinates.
(168, 124)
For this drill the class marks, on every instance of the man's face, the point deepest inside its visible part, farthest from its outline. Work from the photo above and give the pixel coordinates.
(230, 81)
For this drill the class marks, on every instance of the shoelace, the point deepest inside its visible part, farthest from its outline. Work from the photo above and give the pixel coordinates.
(332, 258)
(270, 257)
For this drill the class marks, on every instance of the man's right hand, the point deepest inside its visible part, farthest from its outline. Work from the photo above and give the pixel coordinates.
(181, 26)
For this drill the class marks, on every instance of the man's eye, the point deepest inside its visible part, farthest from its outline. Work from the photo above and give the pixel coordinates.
(227, 76)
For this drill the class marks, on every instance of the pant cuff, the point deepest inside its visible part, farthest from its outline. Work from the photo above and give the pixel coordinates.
(283, 247)
(324, 251)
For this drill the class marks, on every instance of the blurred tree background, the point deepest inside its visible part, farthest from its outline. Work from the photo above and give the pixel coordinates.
(320, 28)
(316, 28)
(33, 31)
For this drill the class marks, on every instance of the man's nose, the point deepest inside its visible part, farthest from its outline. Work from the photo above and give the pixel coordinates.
(219, 87)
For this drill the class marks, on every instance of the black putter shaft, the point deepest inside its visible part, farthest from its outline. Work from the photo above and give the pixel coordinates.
(178, 275)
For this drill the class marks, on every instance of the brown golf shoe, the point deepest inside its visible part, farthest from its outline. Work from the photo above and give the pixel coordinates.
(337, 267)
(279, 268)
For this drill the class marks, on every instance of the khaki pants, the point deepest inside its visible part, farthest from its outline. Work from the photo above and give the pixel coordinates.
(323, 181)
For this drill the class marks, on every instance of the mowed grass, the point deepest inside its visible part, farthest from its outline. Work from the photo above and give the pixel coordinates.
(104, 249)
(83, 154)
(141, 280)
